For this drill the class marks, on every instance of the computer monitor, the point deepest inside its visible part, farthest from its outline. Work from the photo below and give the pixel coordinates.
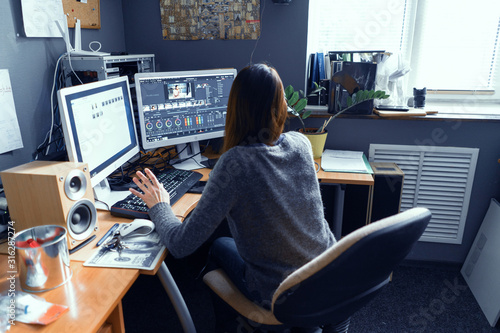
(99, 129)
(181, 108)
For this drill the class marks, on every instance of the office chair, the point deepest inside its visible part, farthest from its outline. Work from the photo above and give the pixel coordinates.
(337, 283)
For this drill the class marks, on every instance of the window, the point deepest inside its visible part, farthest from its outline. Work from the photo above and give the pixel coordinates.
(451, 46)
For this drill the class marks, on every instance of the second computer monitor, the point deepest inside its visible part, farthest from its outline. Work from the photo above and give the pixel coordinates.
(177, 108)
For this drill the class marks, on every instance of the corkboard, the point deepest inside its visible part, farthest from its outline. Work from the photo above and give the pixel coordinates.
(87, 11)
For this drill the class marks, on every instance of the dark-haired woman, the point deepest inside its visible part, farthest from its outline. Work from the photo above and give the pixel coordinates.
(264, 184)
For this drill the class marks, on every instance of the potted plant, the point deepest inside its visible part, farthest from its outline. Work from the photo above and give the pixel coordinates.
(297, 102)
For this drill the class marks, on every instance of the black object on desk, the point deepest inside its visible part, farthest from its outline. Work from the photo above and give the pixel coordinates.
(82, 244)
(210, 163)
(198, 187)
(392, 108)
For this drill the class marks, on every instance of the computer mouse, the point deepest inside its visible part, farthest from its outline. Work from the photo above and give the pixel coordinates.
(138, 227)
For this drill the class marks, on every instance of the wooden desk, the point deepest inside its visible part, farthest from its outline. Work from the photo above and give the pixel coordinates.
(344, 177)
(347, 178)
(94, 294)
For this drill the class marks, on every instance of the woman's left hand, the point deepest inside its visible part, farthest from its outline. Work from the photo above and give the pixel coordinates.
(153, 190)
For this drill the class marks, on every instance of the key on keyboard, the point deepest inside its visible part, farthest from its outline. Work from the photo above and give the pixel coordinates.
(176, 182)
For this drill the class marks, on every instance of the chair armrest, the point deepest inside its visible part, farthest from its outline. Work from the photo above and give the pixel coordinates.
(219, 282)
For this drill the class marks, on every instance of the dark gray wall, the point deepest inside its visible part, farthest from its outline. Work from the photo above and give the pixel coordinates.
(283, 44)
(282, 41)
(31, 64)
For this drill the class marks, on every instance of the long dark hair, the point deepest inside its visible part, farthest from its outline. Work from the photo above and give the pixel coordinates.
(256, 110)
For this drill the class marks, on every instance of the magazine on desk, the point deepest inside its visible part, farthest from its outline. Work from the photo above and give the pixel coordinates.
(345, 161)
(140, 252)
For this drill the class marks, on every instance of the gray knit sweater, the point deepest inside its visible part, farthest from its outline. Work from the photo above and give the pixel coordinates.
(271, 198)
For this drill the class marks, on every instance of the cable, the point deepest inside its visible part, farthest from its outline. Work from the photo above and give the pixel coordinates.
(258, 38)
(71, 66)
(52, 101)
(92, 42)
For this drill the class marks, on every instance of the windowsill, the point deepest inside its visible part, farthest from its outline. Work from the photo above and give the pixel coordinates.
(462, 111)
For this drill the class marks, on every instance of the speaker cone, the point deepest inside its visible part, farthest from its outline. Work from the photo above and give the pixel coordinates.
(81, 219)
(75, 184)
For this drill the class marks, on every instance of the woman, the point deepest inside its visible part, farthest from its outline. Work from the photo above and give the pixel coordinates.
(265, 185)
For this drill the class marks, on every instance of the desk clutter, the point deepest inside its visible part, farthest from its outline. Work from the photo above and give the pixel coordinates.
(341, 74)
(398, 114)
(28, 309)
(132, 245)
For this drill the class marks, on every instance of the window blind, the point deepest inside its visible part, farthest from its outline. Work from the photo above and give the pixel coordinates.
(451, 44)
(354, 26)
(455, 44)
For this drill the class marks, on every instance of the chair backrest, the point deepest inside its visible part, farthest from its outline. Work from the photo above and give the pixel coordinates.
(333, 286)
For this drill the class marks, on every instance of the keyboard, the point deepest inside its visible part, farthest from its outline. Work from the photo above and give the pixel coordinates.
(176, 182)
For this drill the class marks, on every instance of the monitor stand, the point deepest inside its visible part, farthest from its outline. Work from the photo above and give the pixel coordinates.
(190, 155)
(105, 198)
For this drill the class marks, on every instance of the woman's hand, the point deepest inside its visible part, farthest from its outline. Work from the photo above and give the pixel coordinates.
(153, 190)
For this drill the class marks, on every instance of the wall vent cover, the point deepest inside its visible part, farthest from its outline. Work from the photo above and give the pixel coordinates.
(439, 178)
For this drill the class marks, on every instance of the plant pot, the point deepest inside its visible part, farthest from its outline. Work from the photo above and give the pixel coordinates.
(317, 140)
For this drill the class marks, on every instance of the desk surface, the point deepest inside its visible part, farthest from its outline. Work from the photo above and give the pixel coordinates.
(344, 177)
(93, 294)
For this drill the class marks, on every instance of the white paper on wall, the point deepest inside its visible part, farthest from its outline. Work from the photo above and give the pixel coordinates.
(39, 18)
(10, 138)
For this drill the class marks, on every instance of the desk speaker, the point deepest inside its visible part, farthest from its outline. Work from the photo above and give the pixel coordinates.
(56, 193)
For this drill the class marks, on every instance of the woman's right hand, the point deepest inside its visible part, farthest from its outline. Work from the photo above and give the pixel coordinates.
(153, 191)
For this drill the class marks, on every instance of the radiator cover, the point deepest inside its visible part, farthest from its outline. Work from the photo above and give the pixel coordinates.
(439, 178)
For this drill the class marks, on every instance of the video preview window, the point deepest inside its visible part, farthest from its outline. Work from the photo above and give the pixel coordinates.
(179, 90)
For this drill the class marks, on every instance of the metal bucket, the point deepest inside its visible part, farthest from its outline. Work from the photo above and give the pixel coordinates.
(43, 257)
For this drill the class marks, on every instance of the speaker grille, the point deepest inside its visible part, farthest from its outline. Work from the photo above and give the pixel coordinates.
(81, 219)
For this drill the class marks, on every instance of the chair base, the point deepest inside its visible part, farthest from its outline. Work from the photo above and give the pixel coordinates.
(341, 327)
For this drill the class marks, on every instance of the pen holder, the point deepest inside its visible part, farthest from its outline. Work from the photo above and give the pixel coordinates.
(43, 258)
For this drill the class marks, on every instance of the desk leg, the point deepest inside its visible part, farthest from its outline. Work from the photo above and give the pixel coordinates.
(116, 319)
(338, 213)
(176, 298)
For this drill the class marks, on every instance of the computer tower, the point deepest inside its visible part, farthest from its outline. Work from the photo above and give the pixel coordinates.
(97, 68)
(362, 207)
(387, 190)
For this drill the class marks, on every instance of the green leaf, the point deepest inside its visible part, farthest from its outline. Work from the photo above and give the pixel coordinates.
(371, 94)
(379, 94)
(363, 96)
(349, 101)
(306, 114)
(359, 96)
(292, 100)
(288, 92)
(301, 104)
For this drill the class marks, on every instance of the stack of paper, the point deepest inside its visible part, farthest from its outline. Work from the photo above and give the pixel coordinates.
(345, 161)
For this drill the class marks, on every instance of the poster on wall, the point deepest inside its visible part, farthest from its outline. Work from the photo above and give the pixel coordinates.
(40, 17)
(210, 19)
(9, 126)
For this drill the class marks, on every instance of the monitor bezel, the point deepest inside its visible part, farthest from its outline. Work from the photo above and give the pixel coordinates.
(176, 74)
(120, 158)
